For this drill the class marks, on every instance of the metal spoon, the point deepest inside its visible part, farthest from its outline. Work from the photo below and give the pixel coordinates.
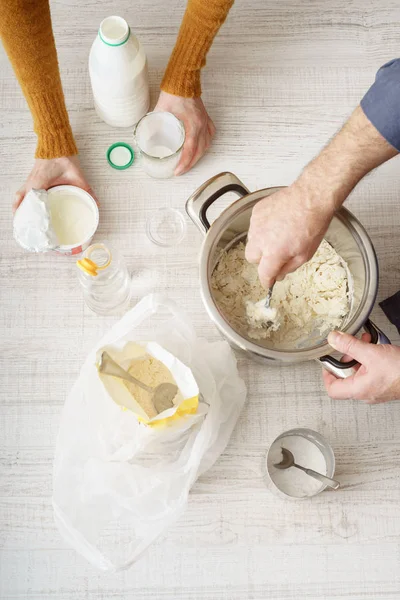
(288, 461)
(268, 298)
(162, 395)
(268, 324)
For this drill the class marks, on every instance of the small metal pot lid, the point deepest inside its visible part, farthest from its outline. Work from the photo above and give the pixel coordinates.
(120, 156)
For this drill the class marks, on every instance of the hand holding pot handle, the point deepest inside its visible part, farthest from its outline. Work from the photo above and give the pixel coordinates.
(376, 378)
(348, 365)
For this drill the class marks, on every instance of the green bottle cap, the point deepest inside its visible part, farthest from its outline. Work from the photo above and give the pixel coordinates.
(120, 156)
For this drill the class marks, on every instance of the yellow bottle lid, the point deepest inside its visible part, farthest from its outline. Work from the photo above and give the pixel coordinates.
(87, 266)
(102, 256)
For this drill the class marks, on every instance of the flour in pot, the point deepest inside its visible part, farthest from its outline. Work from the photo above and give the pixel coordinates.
(313, 299)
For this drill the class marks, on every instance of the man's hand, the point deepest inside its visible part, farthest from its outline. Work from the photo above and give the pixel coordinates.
(199, 128)
(286, 228)
(285, 231)
(49, 173)
(377, 378)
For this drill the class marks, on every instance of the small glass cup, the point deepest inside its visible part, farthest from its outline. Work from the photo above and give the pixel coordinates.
(166, 227)
(159, 137)
(324, 447)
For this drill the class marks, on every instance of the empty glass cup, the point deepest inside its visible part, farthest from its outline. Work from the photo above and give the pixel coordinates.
(159, 137)
(166, 227)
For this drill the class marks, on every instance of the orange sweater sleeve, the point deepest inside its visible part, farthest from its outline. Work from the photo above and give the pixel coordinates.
(200, 25)
(26, 32)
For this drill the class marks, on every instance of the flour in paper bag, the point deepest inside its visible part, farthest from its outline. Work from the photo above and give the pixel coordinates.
(151, 372)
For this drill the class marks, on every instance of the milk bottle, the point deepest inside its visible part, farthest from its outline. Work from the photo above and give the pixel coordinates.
(118, 74)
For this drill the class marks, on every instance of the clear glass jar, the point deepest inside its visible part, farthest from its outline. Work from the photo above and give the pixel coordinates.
(105, 280)
(159, 137)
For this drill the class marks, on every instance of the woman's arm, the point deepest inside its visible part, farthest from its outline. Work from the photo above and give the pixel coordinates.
(201, 23)
(181, 87)
(26, 32)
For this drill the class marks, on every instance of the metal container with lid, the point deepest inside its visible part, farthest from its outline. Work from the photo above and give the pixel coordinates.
(345, 234)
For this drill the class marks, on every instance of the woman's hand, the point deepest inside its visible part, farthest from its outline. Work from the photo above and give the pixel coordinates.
(199, 128)
(47, 173)
(377, 378)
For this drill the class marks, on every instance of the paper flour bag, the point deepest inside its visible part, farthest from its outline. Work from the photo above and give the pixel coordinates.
(151, 364)
(122, 477)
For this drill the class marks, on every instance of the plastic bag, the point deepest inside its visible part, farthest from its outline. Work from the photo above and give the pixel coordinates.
(118, 483)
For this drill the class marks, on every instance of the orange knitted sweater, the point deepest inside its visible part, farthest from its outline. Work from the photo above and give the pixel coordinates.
(26, 32)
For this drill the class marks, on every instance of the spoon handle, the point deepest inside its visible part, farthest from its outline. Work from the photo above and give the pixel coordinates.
(108, 366)
(332, 483)
(133, 379)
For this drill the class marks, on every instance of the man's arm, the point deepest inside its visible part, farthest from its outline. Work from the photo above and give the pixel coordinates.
(286, 228)
(26, 32)
(381, 103)
(356, 150)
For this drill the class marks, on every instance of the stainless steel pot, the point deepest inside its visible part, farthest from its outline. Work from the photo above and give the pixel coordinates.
(345, 233)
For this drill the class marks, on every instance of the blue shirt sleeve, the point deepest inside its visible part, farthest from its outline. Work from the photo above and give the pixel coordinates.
(381, 104)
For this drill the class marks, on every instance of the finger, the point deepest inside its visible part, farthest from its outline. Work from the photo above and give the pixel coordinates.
(340, 389)
(366, 337)
(268, 269)
(200, 151)
(211, 128)
(19, 196)
(346, 358)
(327, 377)
(189, 150)
(351, 346)
(292, 265)
(253, 252)
(208, 140)
(90, 191)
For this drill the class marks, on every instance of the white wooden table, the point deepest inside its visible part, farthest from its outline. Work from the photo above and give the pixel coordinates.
(281, 78)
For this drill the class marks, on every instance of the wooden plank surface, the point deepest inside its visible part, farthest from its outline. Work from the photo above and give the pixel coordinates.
(281, 78)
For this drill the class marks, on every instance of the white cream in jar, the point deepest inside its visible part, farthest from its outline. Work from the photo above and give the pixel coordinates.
(62, 219)
(72, 218)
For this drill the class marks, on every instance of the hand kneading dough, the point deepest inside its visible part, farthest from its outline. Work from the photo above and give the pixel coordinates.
(315, 298)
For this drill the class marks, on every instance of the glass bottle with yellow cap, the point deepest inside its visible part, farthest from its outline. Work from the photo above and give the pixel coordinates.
(105, 280)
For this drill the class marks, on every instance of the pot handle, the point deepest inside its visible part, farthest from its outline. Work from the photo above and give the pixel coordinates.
(201, 200)
(344, 369)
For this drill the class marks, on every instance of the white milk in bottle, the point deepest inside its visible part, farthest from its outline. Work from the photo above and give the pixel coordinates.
(118, 74)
